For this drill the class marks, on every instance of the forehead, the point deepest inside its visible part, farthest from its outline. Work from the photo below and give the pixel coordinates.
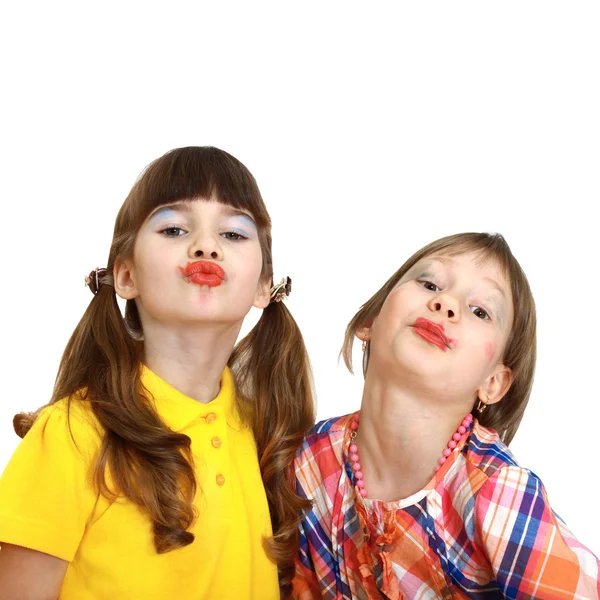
(484, 271)
(473, 262)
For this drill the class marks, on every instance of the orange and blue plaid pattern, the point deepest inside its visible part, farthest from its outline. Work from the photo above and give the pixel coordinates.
(482, 528)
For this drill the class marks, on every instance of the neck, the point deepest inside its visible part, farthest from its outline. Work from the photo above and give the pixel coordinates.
(191, 359)
(401, 437)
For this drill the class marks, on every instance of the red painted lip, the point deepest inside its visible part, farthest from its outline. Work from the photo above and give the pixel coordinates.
(203, 272)
(433, 333)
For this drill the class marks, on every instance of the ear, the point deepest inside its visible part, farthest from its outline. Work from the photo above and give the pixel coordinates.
(363, 333)
(496, 386)
(262, 299)
(124, 276)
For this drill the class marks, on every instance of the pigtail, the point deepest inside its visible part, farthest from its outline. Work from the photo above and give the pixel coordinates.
(101, 364)
(275, 390)
(23, 422)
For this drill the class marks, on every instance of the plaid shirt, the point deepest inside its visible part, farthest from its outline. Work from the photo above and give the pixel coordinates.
(482, 528)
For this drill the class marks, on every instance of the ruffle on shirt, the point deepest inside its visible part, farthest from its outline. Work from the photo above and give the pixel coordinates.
(385, 553)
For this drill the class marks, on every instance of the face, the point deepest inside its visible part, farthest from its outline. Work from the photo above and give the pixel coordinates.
(195, 261)
(444, 328)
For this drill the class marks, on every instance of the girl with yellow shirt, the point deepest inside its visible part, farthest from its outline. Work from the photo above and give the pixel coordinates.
(158, 469)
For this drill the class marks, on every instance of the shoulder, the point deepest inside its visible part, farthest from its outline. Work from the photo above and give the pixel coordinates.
(332, 426)
(490, 488)
(512, 486)
(487, 452)
(66, 425)
(47, 494)
(325, 435)
(502, 488)
(320, 458)
(485, 462)
(491, 465)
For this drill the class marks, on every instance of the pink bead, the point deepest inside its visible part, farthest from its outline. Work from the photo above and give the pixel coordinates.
(354, 459)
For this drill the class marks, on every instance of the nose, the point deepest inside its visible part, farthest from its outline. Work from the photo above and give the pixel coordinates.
(205, 246)
(446, 304)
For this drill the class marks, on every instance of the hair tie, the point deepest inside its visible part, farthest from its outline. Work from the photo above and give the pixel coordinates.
(94, 279)
(282, 290)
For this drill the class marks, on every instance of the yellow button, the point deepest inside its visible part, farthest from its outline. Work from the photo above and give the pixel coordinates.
(211, 418)
(216, 442)
(220, 479)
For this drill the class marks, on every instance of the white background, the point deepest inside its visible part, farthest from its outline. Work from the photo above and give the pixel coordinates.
(371, 130)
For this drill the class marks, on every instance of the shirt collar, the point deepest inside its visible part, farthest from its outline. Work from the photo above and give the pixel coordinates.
(178, 410)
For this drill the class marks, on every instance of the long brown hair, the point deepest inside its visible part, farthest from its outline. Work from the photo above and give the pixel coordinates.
(270, 365)
(520, 351)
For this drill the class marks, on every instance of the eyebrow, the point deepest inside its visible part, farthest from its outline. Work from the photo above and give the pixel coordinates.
(234, 212)
(495, 285)
(447, 260)
(176, 207)
(184, 206)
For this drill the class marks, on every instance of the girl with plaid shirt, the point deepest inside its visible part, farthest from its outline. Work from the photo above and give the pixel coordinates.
(418, 495)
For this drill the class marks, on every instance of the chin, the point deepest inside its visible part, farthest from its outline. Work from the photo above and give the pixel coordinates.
(410, 361)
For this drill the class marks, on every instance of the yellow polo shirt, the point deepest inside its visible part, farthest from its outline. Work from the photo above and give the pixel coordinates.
(48, 503)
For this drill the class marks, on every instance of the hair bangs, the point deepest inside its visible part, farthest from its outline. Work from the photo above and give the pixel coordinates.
(485, 245)
(192, 173)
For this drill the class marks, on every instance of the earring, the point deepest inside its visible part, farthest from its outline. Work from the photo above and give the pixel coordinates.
(365, 343)
(481, 406)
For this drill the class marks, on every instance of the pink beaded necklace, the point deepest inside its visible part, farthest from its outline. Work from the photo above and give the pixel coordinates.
(463, 428)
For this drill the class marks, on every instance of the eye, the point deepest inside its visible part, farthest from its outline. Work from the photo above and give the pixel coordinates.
(428, 285)
(172, 231)
(480, 313)
(233, 236)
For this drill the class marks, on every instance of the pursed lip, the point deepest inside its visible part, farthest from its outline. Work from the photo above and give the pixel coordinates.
(433, 333)
(203, 272)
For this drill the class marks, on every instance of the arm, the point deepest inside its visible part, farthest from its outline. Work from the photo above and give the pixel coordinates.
(530, 551)
(318, 472)
(46, 501)
(29, 575)
(305, 584)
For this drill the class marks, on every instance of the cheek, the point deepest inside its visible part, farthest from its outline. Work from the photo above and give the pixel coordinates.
(490, 351)
(160, 267)
(403, 305)
(393, 316)
(398, 301)
(248, 269)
